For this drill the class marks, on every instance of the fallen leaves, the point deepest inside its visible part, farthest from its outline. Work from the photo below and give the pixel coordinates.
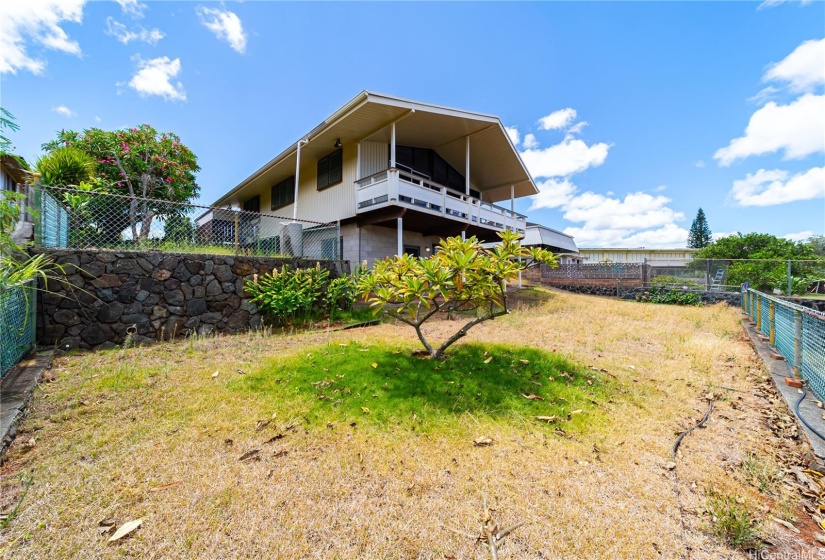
(488, 360)
(482, 441)
(214, 375)
(126, 529)
(532, 397)
(252, 455)
(547, 419)
(165, 486)
(374, 365)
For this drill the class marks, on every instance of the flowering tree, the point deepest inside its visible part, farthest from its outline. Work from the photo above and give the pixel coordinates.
(462, 278)
(141, 163)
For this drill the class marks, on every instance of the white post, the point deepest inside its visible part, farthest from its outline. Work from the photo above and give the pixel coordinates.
(400, 236)
(297, 178)
(513, 204)
(392, 145)
(358, 161)
(467, 168)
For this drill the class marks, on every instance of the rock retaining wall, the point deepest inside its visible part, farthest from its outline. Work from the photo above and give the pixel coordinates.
(103, 296)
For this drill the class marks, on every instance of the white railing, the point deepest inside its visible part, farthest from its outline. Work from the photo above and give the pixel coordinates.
(395, 187)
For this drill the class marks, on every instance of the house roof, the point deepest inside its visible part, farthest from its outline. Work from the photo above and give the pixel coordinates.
(14, 168)
(537, 234)
(494, 162)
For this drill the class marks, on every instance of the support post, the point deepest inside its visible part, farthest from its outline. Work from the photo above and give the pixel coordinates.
(358, 161)
(772, 323)
(400, 236)
(512, 205)
(37, 196)
(797, 344)
(392, 145)
(467, 168)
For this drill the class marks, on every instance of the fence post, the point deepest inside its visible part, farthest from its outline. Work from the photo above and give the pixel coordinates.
(789, 278)
(797, 344)
(772, 325)
(707, 275)
(33, 291)
(236, 232)
(759, 312)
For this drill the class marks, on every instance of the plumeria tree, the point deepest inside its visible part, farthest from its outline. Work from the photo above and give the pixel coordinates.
(141, 163)
(462, 278)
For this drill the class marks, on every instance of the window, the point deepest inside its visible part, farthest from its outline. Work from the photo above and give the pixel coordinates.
(330, 169)
(428, 163)
(283, 194)
(253, 204)
(413, 250)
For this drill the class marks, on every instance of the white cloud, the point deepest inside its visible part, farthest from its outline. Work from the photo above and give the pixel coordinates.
(638, 210)
(97, 119)
(774, 3)
(799, 236)
(530, 142)
(154, 77)
(225, 25)
(513, 133)
(561, 160)
(24, 22)
(553, 193)
(577, 128)
(132, 8)
(699, 164)
(803, 69)
(798, 129)
(668, 236)
(770, 188)
(719, 235)
(120, 32)
(64, 111)
(557, 120)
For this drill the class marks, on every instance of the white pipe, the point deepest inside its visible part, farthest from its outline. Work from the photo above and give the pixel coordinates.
(513, 203)
(297, 178)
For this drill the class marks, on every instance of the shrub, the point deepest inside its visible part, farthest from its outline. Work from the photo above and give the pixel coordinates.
(661, 294)
(462, 278)
(296, 296)
(733, 522)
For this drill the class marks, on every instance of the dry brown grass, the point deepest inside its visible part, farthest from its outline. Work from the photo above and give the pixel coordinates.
(105, 443)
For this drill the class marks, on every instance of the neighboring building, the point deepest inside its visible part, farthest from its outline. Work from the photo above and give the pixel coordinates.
(657, 257)
(560, 243)
(398, 175)
(13, 173)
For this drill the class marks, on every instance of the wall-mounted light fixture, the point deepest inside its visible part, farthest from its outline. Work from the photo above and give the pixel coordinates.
(338, 143)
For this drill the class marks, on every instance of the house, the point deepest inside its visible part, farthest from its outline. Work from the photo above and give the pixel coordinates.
(388, 176)
(13, 173)
(559, 243)
(656, 257)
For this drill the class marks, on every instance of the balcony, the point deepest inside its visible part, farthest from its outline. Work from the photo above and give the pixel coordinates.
(408, 189)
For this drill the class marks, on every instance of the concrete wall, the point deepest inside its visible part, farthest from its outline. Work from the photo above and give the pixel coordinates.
(372, 243)
(103, 295)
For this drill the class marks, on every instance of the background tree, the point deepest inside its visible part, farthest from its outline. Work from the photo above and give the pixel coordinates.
(141, 163)
(178, 229)
(700, 234)
(462, 278)
(764, 260)
(818, 243)
(66, 166)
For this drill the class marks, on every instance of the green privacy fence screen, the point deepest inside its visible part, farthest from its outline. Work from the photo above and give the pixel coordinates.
(797, 332)
(54, 221)
(17, 324)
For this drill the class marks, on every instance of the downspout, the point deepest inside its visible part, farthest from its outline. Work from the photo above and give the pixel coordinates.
(297, 177)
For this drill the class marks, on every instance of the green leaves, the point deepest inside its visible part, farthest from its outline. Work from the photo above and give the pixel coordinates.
(461, 277)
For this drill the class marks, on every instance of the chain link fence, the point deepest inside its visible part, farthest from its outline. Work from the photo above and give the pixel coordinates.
(84, 219)
(788, 277)
(17, 324)
(797, 332)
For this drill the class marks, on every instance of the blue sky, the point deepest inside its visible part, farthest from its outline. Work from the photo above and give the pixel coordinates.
(630, 116)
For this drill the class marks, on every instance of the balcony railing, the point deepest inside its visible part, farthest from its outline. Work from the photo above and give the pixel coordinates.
(395, 187)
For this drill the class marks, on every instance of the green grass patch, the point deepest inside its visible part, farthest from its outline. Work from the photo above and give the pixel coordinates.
(388, 386)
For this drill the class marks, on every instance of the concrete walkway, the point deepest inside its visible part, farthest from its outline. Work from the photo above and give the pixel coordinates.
(16, 393)
(779, 370)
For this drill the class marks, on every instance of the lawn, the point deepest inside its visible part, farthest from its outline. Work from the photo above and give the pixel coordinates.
(345, 444)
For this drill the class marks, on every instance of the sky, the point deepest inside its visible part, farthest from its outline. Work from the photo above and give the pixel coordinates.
(629, 116)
